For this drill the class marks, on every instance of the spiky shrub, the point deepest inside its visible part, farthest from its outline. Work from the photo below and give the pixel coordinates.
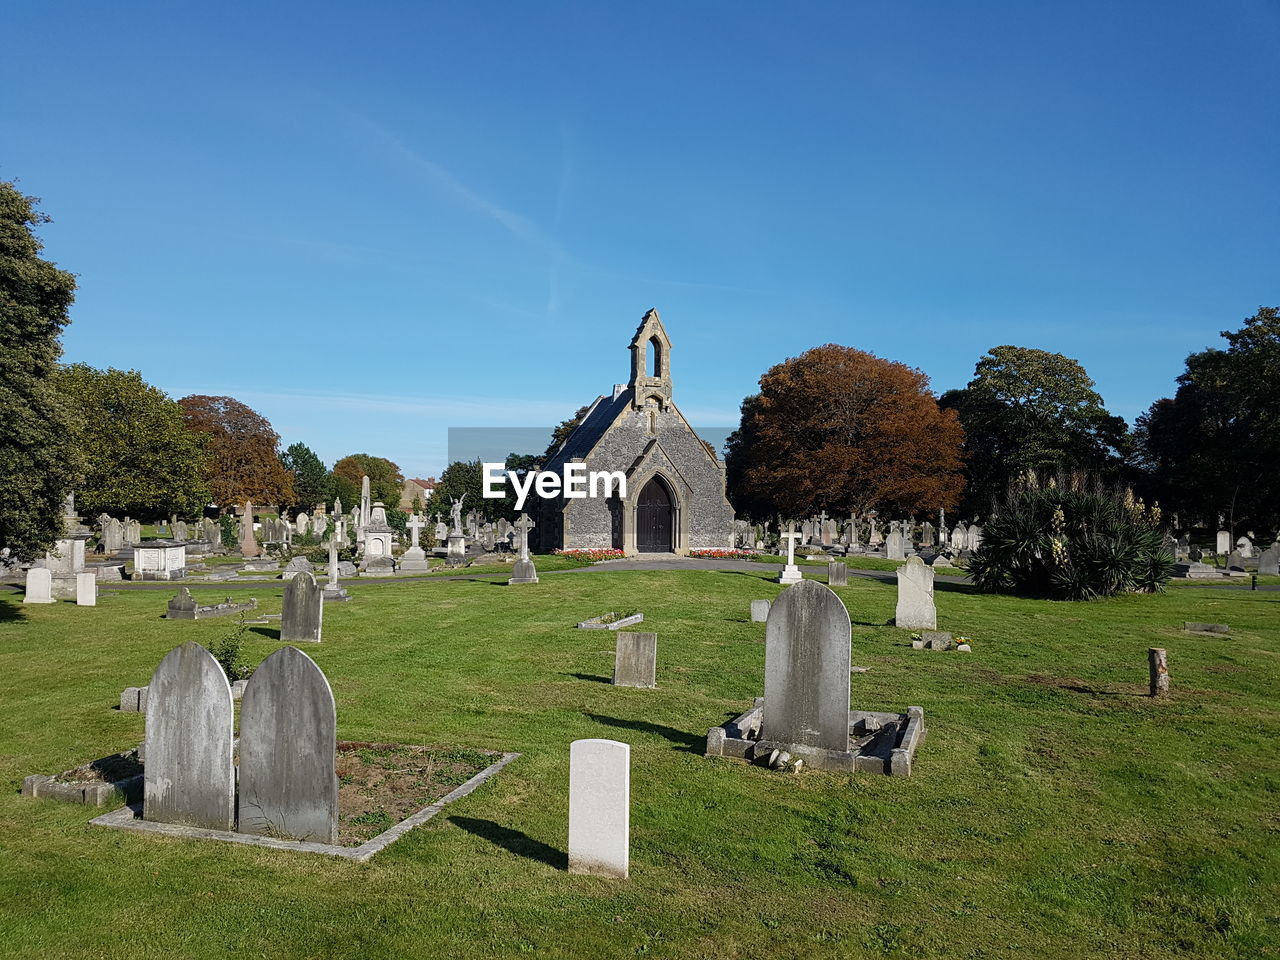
(1071, 539)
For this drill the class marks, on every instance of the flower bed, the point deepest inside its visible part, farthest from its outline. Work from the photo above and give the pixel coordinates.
(591, 556)
(723, 554)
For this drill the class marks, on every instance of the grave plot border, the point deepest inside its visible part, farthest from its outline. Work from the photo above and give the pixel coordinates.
(129, 818)
(595, 622)
(867, 729)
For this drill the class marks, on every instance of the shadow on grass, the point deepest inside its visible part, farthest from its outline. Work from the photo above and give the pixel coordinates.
(11, 608)
(685, 741)
(271, 633)
(595, 678)
(518, 843)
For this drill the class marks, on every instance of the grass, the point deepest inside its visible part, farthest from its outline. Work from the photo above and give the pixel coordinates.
(1056, 810)
(853, 562)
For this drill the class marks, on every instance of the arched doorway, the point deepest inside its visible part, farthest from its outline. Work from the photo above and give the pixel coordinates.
(654, 519)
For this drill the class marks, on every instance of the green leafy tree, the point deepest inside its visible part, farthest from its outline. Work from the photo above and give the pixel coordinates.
(312, 482)
(385, 479)
(140, 458)
(1214, 446)
(1028, 409)
(465, 476)
(561, 433)
(39, 463)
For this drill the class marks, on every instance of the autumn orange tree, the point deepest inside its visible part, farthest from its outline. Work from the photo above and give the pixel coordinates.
(842, 430)
(243, 462)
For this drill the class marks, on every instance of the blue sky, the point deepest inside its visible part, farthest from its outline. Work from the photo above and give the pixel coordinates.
(375, 222)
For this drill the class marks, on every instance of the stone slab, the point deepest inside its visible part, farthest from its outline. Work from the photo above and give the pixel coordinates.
(302, 614)
(600, 808)
(636, 660)
(760, 611)
(806, 681)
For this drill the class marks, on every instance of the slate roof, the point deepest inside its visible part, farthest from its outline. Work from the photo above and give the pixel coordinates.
(588, 433)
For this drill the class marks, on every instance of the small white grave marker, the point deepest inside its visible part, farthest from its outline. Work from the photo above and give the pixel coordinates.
(600, 808)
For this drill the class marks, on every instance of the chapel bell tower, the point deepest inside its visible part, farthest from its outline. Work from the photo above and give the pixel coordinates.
(650, 364)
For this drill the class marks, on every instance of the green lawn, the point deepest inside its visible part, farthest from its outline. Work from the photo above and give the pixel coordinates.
(1056, 811)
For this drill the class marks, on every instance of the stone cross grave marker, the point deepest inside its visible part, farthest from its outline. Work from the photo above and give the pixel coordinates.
(302, 615)
(635, 661)
(806, 669)
(189, 778)
(288, 751)
(916, 610)
(524, 570)
(790, 573)
(600, 808)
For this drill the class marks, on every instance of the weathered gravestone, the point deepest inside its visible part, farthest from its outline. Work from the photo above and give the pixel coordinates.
(296, 566)
(524, 570)
(837, 574)
(1269, 561)
(189, 777)
(248, 542)
(916, 610)
(303, 611)
(635, 661)
(806, 669)
(895, 545)
(600, 808)
(1235, 561)
(760, 611)
(39, 586)
(288, 750)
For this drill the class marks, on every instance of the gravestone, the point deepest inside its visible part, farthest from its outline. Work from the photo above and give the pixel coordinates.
(806, 672)
(600, 808)
(760, 611)
(1245, 546)
(1224, 543)
(189, 777)
(303, 611)
(635, 662)
(86, 590)
(790, 573)
(895, 546)
(523, 571)
(916, 610)
(296, 566)
(288, 750)
(1269, 561)
(837, 574)
(414, 560)
(1235, 561)
(39, 586)
(248, 543)
(182, 606)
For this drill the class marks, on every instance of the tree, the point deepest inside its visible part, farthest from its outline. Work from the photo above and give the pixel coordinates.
(1213, 447)
(466, 476)
(39, 462)
(1028, 409)
(385, 479)
(242, 460)
(840, 429)
(561, 433)
(140, 457)
(312, 482)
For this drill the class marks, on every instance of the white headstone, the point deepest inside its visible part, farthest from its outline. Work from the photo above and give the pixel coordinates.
(86, 589)
(39, 586)
(600, 808)
(189, 777)
(288, 750)
(916, 610)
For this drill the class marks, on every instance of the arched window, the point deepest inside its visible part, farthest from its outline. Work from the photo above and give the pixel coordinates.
(653, 357)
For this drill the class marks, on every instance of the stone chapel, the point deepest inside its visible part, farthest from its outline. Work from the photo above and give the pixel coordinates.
(675, 498)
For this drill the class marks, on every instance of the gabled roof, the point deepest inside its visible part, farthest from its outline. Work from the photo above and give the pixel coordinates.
(588, 433)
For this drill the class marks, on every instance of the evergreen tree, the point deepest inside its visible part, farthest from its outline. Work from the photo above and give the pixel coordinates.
(312, 482)
(39, 463)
